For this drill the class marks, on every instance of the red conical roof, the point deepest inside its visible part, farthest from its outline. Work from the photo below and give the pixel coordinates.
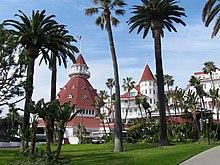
(78, 91)
(147, 74)
(80, 60)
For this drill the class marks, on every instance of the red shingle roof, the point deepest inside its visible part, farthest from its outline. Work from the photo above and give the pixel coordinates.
(80, 60)
(147, 74)
(78, 91)
(88, 122)
(125, 95)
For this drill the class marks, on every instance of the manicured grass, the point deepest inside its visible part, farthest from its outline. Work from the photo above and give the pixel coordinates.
(135, 154)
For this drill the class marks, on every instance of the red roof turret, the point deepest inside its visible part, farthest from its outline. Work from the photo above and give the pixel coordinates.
(147, 74)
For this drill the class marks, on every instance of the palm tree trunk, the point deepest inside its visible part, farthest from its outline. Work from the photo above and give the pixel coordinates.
(48, 149)
(33, 136)
(53, 90)
(59, 144)
(60, 139)
(113, 115)
(160, 85)
(217, 128)
(103, 124)
(141, 111)
(28, 99)
(126, 114)
(118, 123)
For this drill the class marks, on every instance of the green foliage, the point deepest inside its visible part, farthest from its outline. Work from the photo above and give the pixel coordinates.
(144, 133)
(11, 69)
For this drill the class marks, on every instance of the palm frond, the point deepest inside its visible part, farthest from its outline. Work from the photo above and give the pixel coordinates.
(114, 21)
(91, 11)
(207, 8)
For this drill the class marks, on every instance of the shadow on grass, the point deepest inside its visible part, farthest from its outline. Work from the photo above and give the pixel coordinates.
(9, 155)
(99, 158)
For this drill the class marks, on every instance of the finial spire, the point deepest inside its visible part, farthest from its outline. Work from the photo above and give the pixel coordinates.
(147, 58)
(80, 43)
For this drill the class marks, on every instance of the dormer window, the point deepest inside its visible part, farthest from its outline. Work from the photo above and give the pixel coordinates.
(73, 87)
(64, 87)
(84, 97)
(83, 87)
(69, 96)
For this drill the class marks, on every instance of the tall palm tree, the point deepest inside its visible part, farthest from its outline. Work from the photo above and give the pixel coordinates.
(209, 68)
(106, 19)
(214, 94)
(70, 50)
(37, 35)
(128, 85)
(169, 81)
(157, 15)
(192, 100)
(110, 83)
(210, 11)
(196, 82)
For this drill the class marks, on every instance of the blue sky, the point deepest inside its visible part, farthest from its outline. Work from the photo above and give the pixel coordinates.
(183, 53)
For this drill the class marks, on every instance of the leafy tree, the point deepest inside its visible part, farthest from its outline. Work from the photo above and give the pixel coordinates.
(37, 34)
(106, 20)
(209, 68)
(128, 85)
(211, 11)
(157, 15)
(11, 70)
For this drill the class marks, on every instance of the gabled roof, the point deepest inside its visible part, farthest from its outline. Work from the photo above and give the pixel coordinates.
(80, 60)
(78, 91)
(198, 73)
(125, 95)
(147, 74)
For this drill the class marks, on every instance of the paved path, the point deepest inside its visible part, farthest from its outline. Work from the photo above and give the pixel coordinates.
(208, 157)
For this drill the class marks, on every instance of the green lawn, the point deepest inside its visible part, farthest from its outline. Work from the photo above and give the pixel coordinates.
(135, 154)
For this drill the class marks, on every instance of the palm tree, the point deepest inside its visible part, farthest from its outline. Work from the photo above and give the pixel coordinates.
(214, 94)
(209, 68)
(138, 101)
(146, 106)
(169, 81)
(63, 114)
(110, 83)
(157, 15)
(70, 50)
(210, 11)
(106, 19)
(46, 112)
(37, 34)
(192, 101)
(98, 103)
(128, 85)
(196, 82)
